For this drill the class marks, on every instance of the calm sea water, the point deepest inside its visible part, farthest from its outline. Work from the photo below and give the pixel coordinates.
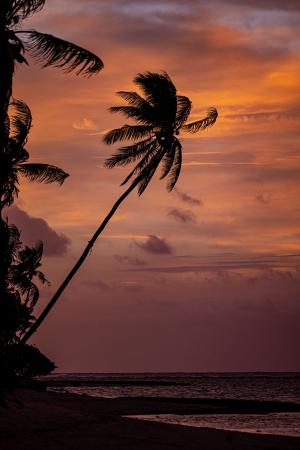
(284, 424)
(252, 386)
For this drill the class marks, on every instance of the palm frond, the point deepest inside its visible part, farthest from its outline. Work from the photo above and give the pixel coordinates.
(43, 173)
(157, 87)
(135, 100)
(208, 121)
(15, 154)
(184, 106)
(31, 254)
(167, 113)
(147, 178)
(14, 235)
(17, 49)
(23, 8)
(127, 132)
(14, 244)
(41, 277)
(11, 191)
(129, 176)
(160, 92)
(147, 173)
(176, 167)
(129, 154)
(5, 126)
(33, 294)
(134, 113)
(29, 259)
(20, 121)
(52, 51)
(167, 161)
(144, 162)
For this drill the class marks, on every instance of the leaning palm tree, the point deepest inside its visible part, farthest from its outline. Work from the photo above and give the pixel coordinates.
(46, 49)
(161, 115)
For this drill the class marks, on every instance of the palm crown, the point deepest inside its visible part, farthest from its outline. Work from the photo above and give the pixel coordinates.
(161, 114)
(14, 157)
(45, 48)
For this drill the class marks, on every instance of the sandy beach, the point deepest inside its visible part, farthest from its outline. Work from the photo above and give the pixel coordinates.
(39, 419)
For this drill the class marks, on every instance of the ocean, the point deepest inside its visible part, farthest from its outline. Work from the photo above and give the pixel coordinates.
(282, 387)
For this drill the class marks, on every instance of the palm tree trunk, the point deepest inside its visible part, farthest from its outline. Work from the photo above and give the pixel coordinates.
(6, 80)
(77, 266)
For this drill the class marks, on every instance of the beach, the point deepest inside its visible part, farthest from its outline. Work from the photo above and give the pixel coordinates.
(36, 419)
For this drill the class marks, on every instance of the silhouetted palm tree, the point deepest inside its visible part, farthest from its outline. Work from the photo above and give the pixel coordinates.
(21, 293)
(14, 163)
(24, 270)
(46, 49)
(17, 302)
(15, 156)
(161, 115)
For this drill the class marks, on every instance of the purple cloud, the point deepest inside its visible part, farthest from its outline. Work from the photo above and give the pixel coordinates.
(188, 199)
(34, 229)
(292, 114)
(98, 284)
(182, 216)
(263, 198)
(130, 260)
(289, 5)
(281, 266)
(155, 246)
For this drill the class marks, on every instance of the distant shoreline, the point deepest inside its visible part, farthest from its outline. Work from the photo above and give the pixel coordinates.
(179, 373)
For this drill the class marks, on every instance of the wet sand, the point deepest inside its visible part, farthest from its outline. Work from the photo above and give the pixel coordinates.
(38, 420)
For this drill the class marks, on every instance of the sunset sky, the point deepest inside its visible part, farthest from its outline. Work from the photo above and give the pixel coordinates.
(206, 278)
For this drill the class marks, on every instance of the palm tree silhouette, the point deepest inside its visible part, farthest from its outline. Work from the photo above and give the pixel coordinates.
(14, 163)
(22, 273)
(20, 291)
(15, 156)
(161, 115)
(46, 49)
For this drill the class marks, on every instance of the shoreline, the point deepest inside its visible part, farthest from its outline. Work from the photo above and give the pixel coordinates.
(54, 421)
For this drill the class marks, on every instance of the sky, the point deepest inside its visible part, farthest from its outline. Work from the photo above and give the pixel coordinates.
(206, 278)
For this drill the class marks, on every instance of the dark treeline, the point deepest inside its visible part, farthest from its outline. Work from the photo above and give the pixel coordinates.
(19, 264)
(160, 115)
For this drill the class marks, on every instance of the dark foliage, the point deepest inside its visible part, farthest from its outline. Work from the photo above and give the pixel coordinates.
(19, 265)
(15, 156)
(20, 294)
(17, 300)
(23, 362)
(160, 115)
(46, 49)
(16, 10)
(52, 51)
